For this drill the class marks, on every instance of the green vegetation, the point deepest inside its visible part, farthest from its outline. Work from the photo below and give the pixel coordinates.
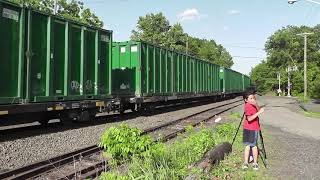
(312, 114)
(235, 115)
(230, 168)
(122, 142)
(285, 48)
(73, 10)
(175, 160)
(301, 98)
(156, 29)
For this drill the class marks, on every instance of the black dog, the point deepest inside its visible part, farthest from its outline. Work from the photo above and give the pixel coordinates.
(214, 156)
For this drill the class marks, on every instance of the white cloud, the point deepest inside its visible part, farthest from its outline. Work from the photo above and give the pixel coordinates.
(233, 12)
(190, 14)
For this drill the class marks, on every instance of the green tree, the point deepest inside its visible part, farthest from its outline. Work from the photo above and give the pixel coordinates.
(264, 77)
(215, 53)
(152, 28)
(90, 18)
(156, 29)
(73, 10)
(42, 5)
(176, 38)
(285, 48)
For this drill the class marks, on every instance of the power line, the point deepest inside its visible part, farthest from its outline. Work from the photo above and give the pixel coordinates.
(241, 43)
(247, 47)
(249, 57)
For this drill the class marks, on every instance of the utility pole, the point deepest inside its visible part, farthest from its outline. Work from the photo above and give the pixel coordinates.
(279, 89)
(289, 85)
(305, 61)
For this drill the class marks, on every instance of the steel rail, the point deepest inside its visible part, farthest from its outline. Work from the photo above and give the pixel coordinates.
(41, 168)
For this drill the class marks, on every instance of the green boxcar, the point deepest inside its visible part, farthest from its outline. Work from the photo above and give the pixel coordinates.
(162, 72)
(231, 81)
(246, 82)
(11, 52)
(47, 58)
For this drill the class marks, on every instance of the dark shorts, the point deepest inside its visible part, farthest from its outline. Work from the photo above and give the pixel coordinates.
(250, 137)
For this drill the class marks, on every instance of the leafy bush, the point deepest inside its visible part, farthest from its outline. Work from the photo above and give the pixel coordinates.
(122, 142)
(172, 161)
(225, 131)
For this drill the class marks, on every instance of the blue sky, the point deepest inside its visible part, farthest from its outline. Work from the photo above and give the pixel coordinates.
(242, 26)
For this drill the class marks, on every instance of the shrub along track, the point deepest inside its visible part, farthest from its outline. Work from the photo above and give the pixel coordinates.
(89, 162)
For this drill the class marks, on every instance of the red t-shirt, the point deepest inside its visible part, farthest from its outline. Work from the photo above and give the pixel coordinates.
(250, 110)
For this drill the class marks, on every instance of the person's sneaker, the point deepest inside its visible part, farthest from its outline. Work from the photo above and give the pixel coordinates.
(245, 166)
(255, 166)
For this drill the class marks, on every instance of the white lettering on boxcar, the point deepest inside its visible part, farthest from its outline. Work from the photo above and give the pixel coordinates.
(123, 49)
(134, 48)
(104, 38)
(88, 85)
(75, 85)
(10, 14)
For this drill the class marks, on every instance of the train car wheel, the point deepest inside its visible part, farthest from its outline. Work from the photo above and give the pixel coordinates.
(84, 116)
(122, 108)
(133, 107)
(122, 111)
(44, 122)
(44, 118)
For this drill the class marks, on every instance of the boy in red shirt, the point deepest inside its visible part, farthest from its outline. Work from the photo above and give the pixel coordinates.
(251, 129)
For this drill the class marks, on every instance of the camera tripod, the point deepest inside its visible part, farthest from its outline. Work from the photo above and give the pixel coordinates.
(261, 151)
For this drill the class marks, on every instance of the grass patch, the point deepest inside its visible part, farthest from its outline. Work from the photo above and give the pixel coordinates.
(312, 114)
(235, 115)
(230, 168)
(172, 161)
(301, 98)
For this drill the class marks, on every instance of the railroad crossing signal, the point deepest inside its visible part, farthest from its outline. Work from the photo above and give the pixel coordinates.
(292, 68)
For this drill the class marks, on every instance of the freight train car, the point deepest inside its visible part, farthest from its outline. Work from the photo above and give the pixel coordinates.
(232, 81)
(145, 73)
(246, 82)
(52, 66)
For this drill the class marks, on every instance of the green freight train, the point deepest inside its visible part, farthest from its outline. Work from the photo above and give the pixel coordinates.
(51, 67)
(148, 73)
(51, 64)
(232, 81)
(161, 72)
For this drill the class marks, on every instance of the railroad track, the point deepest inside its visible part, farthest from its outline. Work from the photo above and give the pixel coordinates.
(28, 130)
(89, 162)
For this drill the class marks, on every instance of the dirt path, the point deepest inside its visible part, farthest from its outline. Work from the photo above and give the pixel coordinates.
(291, 156)
(292, 140)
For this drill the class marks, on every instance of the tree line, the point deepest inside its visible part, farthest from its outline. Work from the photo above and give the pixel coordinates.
(156, 29)
(73, 10)
(285, 48)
